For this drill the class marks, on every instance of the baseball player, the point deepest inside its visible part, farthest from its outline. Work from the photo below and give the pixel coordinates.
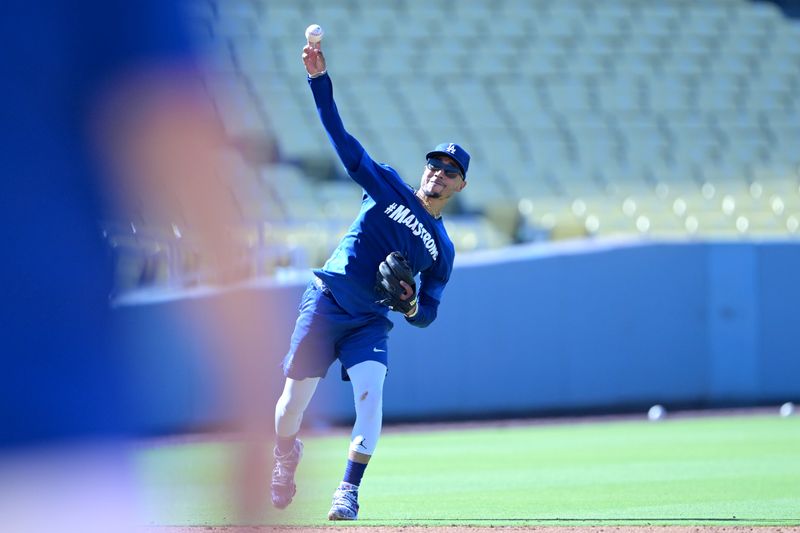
(343, 313)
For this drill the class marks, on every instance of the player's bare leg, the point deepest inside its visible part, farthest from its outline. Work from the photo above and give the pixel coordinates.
(289, 449)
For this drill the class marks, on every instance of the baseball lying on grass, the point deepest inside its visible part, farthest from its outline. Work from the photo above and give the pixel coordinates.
(657, 412)
(787, 409)
(314, 33)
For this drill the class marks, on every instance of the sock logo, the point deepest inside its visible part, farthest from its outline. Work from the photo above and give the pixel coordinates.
(359, 442)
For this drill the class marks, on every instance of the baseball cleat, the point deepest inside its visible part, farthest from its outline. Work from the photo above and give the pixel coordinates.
(283, 486)
(345, 503)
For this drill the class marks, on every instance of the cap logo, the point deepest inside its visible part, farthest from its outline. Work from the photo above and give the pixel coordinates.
(451, 148)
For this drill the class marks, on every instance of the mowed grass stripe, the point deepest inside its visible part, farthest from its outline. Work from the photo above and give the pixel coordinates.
(740, 470)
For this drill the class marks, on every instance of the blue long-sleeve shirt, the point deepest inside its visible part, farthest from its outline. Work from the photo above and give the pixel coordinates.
(391, 219)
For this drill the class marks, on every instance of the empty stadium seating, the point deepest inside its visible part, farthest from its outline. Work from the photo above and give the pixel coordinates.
(675, 119)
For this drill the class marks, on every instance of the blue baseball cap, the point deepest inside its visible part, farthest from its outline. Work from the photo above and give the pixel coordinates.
(454, 152)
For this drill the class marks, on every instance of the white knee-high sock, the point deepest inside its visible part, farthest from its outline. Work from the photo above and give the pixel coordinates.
(292, 404)
(367, 379)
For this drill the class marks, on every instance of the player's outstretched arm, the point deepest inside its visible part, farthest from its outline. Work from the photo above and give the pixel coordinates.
(347, 147)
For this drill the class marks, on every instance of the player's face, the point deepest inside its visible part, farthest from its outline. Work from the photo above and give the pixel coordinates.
(441, 178)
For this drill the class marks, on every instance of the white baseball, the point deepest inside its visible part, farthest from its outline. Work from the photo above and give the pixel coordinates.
(657, 412)
(314, 33)
(787, 409)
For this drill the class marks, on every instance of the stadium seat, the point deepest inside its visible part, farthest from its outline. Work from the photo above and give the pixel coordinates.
(562, 100)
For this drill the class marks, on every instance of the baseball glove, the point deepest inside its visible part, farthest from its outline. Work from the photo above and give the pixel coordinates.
(391, 272)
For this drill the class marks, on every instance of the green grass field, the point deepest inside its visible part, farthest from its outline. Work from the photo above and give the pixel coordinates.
(736, 470)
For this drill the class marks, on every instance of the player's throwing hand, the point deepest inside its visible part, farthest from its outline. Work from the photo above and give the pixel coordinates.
(313, 59)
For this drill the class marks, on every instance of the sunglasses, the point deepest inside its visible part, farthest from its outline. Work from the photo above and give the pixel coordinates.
(449, 170)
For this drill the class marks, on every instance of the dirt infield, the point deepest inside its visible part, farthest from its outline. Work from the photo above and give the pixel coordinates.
(468, 529)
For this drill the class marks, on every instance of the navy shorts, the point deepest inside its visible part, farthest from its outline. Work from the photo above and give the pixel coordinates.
(325, 332)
